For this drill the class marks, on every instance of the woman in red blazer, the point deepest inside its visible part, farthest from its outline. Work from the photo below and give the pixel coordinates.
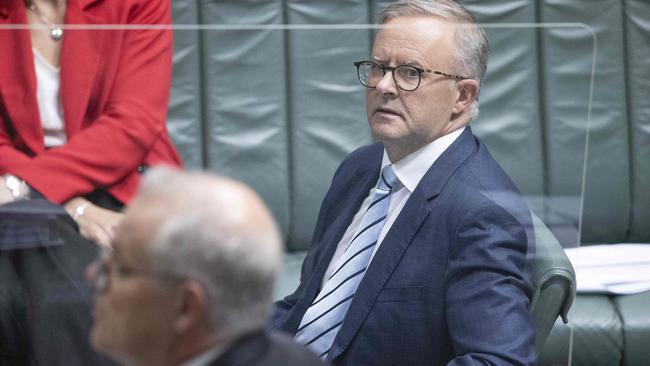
(114, 90)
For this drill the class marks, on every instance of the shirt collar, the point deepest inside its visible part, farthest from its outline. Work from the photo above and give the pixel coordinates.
(206, 357)
(415, 165)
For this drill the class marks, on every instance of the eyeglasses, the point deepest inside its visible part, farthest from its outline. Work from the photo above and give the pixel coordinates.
(102, 276)
(406, 77)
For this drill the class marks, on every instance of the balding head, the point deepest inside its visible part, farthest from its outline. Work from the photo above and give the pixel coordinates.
(194, 264)
(219, 232)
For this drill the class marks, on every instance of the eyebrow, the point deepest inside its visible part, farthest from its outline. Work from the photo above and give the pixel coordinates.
(409, 62)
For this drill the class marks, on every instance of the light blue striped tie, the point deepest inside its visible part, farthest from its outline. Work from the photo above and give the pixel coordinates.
(324, 317)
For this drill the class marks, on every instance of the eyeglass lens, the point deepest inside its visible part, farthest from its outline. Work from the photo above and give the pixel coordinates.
(406, 77)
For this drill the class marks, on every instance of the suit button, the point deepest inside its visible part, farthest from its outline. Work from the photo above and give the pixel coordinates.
(142, 169)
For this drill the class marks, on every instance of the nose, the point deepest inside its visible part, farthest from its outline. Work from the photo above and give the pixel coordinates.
(387, 86)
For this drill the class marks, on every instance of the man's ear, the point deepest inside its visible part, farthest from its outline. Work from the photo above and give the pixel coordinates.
(191, 307)
(467, 93)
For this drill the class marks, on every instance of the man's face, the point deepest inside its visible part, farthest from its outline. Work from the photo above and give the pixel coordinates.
(407, 120)
(133, 313)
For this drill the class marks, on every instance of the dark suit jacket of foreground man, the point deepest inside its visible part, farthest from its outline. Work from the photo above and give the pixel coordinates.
(260, 349)
(448, 285)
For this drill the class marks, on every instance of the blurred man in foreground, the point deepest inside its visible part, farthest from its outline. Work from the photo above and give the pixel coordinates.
(190, 276)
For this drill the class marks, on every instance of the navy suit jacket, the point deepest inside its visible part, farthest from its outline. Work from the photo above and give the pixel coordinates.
(260, 349)
(448, 284)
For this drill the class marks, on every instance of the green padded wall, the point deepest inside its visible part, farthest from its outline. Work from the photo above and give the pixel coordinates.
(327, 111)
(509, 121)
(607, 194)
(279, 109)
(184, 116)
(245, 99)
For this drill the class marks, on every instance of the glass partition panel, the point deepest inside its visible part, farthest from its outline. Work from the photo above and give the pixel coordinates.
(269, 96)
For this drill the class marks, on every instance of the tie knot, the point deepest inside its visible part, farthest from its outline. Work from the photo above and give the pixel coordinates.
(387, 179)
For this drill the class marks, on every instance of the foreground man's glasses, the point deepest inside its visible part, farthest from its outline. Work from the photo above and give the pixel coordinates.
(106, 264)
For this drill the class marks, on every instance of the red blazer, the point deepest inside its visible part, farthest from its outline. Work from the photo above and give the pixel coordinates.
(114, 92)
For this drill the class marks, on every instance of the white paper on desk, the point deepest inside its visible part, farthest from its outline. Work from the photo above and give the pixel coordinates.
(612, 269)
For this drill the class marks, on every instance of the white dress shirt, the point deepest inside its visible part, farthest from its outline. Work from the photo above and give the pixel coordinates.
(410, 171)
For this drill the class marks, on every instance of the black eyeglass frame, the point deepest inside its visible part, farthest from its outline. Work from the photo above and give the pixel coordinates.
(101, 280)
(420, 71)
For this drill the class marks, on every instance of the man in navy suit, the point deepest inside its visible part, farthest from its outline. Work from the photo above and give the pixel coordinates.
(189, 278)
(431, 235)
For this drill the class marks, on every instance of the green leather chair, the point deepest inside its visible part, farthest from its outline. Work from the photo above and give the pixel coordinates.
(554, 283)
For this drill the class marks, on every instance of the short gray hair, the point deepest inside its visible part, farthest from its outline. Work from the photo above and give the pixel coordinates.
(216, 240)
(472, 46)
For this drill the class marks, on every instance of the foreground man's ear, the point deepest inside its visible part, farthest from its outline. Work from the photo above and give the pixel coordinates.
(191, 308)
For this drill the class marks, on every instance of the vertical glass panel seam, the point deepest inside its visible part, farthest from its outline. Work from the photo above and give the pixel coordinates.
(290, 235)
(202, 112)
(628, 113)
(543, 117)
(370, 20)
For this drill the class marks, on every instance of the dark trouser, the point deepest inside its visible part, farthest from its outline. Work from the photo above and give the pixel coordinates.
(45, 303)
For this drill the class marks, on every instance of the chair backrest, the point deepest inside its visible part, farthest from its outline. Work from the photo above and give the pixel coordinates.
(554, 282)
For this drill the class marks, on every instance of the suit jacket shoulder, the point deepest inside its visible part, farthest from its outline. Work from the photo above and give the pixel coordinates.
(261, 349)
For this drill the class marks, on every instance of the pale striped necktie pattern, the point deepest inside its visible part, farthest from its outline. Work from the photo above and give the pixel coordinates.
(323, 319)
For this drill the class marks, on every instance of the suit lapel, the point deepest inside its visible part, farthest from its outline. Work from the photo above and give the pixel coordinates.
(18, 78)
(385, 261)
(399, 237)
(79, 59)
(356, 190)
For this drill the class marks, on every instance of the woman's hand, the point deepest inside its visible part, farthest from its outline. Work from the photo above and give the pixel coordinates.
(95, 223)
